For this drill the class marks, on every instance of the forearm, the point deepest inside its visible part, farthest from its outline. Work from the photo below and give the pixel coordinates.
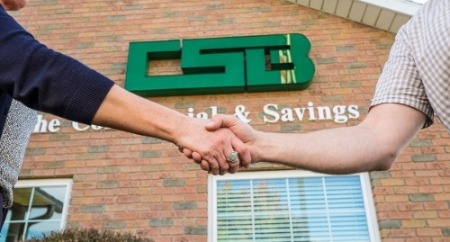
(335, 151)
(372, 145)
(128, 112)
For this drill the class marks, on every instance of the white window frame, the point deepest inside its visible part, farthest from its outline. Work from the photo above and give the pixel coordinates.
(212, 196)
(51, 182)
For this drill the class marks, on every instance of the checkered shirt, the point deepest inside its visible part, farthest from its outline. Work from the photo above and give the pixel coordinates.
(417, 73)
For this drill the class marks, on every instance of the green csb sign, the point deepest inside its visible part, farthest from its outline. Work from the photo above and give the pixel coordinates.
(222, 65)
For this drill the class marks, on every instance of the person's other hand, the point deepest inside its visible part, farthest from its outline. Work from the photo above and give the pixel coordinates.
(212, 148)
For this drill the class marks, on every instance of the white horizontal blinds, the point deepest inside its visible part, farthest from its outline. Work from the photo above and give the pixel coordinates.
(348, 220)
(328, 209)
(234, 210)
(271, 210)
(291, 209)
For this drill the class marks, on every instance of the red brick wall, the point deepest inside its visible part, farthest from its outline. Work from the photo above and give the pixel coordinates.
(139, 184)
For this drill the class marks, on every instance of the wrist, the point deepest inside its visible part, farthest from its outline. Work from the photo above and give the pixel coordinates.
(257, 147)
(177, 128)
(269, 146)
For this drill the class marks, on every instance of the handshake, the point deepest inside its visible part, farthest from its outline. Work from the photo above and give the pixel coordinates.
(221, 145)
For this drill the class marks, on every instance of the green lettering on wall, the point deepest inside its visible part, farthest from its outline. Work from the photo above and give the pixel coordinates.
(222, 65)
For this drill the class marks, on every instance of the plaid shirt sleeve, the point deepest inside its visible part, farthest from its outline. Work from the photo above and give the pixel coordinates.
(400, 81)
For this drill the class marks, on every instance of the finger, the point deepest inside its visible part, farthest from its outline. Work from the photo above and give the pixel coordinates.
(221, 121)
(186, 152)
(204, 165)
(197, 157)
(208, 162)
(214, 166)
(234, 166)
(224, 166)
(232, 161)
(245, 158)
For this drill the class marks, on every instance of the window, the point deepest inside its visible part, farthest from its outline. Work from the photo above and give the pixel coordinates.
(40, 206)
(291, 206)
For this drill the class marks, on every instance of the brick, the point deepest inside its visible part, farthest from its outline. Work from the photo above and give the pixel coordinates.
(345, 48)
(439, 180)
(171, 231)
(191, 230)
(446, 232)
(98, 149)
(150, 140)
(417, 181)
(173, 182)
(425, 214)
(166, 222)
(114, 224)
(325, 61)
(439, 223)
(357, 65)
(390, 224)
(405, 190)
(400, 174)
(403, 233)
(420, 197)
(380, 174)
(414, 223)
(442, 197)
(423, 158)
(383, 191)
(35, 151)
(427, 232)
(410, 207)
(444, 214)
(421, 143)
(426, 173)
(54, 165)
(92, 209)
(184, 205)
(392, 182)
(150, 154)
(436, 205)
(107, 184)
(400, 215)
(109, 169)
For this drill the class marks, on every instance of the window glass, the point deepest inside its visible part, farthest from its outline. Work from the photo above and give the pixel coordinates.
(291, 206)
(39, 207)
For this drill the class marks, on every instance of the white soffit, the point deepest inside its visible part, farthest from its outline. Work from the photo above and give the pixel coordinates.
(387, 15)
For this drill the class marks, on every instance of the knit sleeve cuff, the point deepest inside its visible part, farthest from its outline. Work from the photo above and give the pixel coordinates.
(88, 97)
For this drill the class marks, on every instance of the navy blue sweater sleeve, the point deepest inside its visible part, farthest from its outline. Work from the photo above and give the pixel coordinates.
(46, 80)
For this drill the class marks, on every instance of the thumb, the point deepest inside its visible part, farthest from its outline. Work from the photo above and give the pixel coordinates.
(220, 121)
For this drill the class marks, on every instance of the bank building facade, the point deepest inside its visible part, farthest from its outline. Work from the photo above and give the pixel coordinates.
(281, 66)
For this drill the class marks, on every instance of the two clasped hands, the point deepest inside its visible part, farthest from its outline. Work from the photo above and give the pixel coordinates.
(233, 147)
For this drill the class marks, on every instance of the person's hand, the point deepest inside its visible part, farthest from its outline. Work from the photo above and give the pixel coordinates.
(212, 148)
(242, 130)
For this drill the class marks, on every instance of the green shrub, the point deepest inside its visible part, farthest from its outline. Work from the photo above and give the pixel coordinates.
(89, 235)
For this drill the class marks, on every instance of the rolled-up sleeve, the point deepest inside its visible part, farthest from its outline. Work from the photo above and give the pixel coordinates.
(400, 81)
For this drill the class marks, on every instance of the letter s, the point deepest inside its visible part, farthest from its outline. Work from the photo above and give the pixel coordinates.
(268, 109)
